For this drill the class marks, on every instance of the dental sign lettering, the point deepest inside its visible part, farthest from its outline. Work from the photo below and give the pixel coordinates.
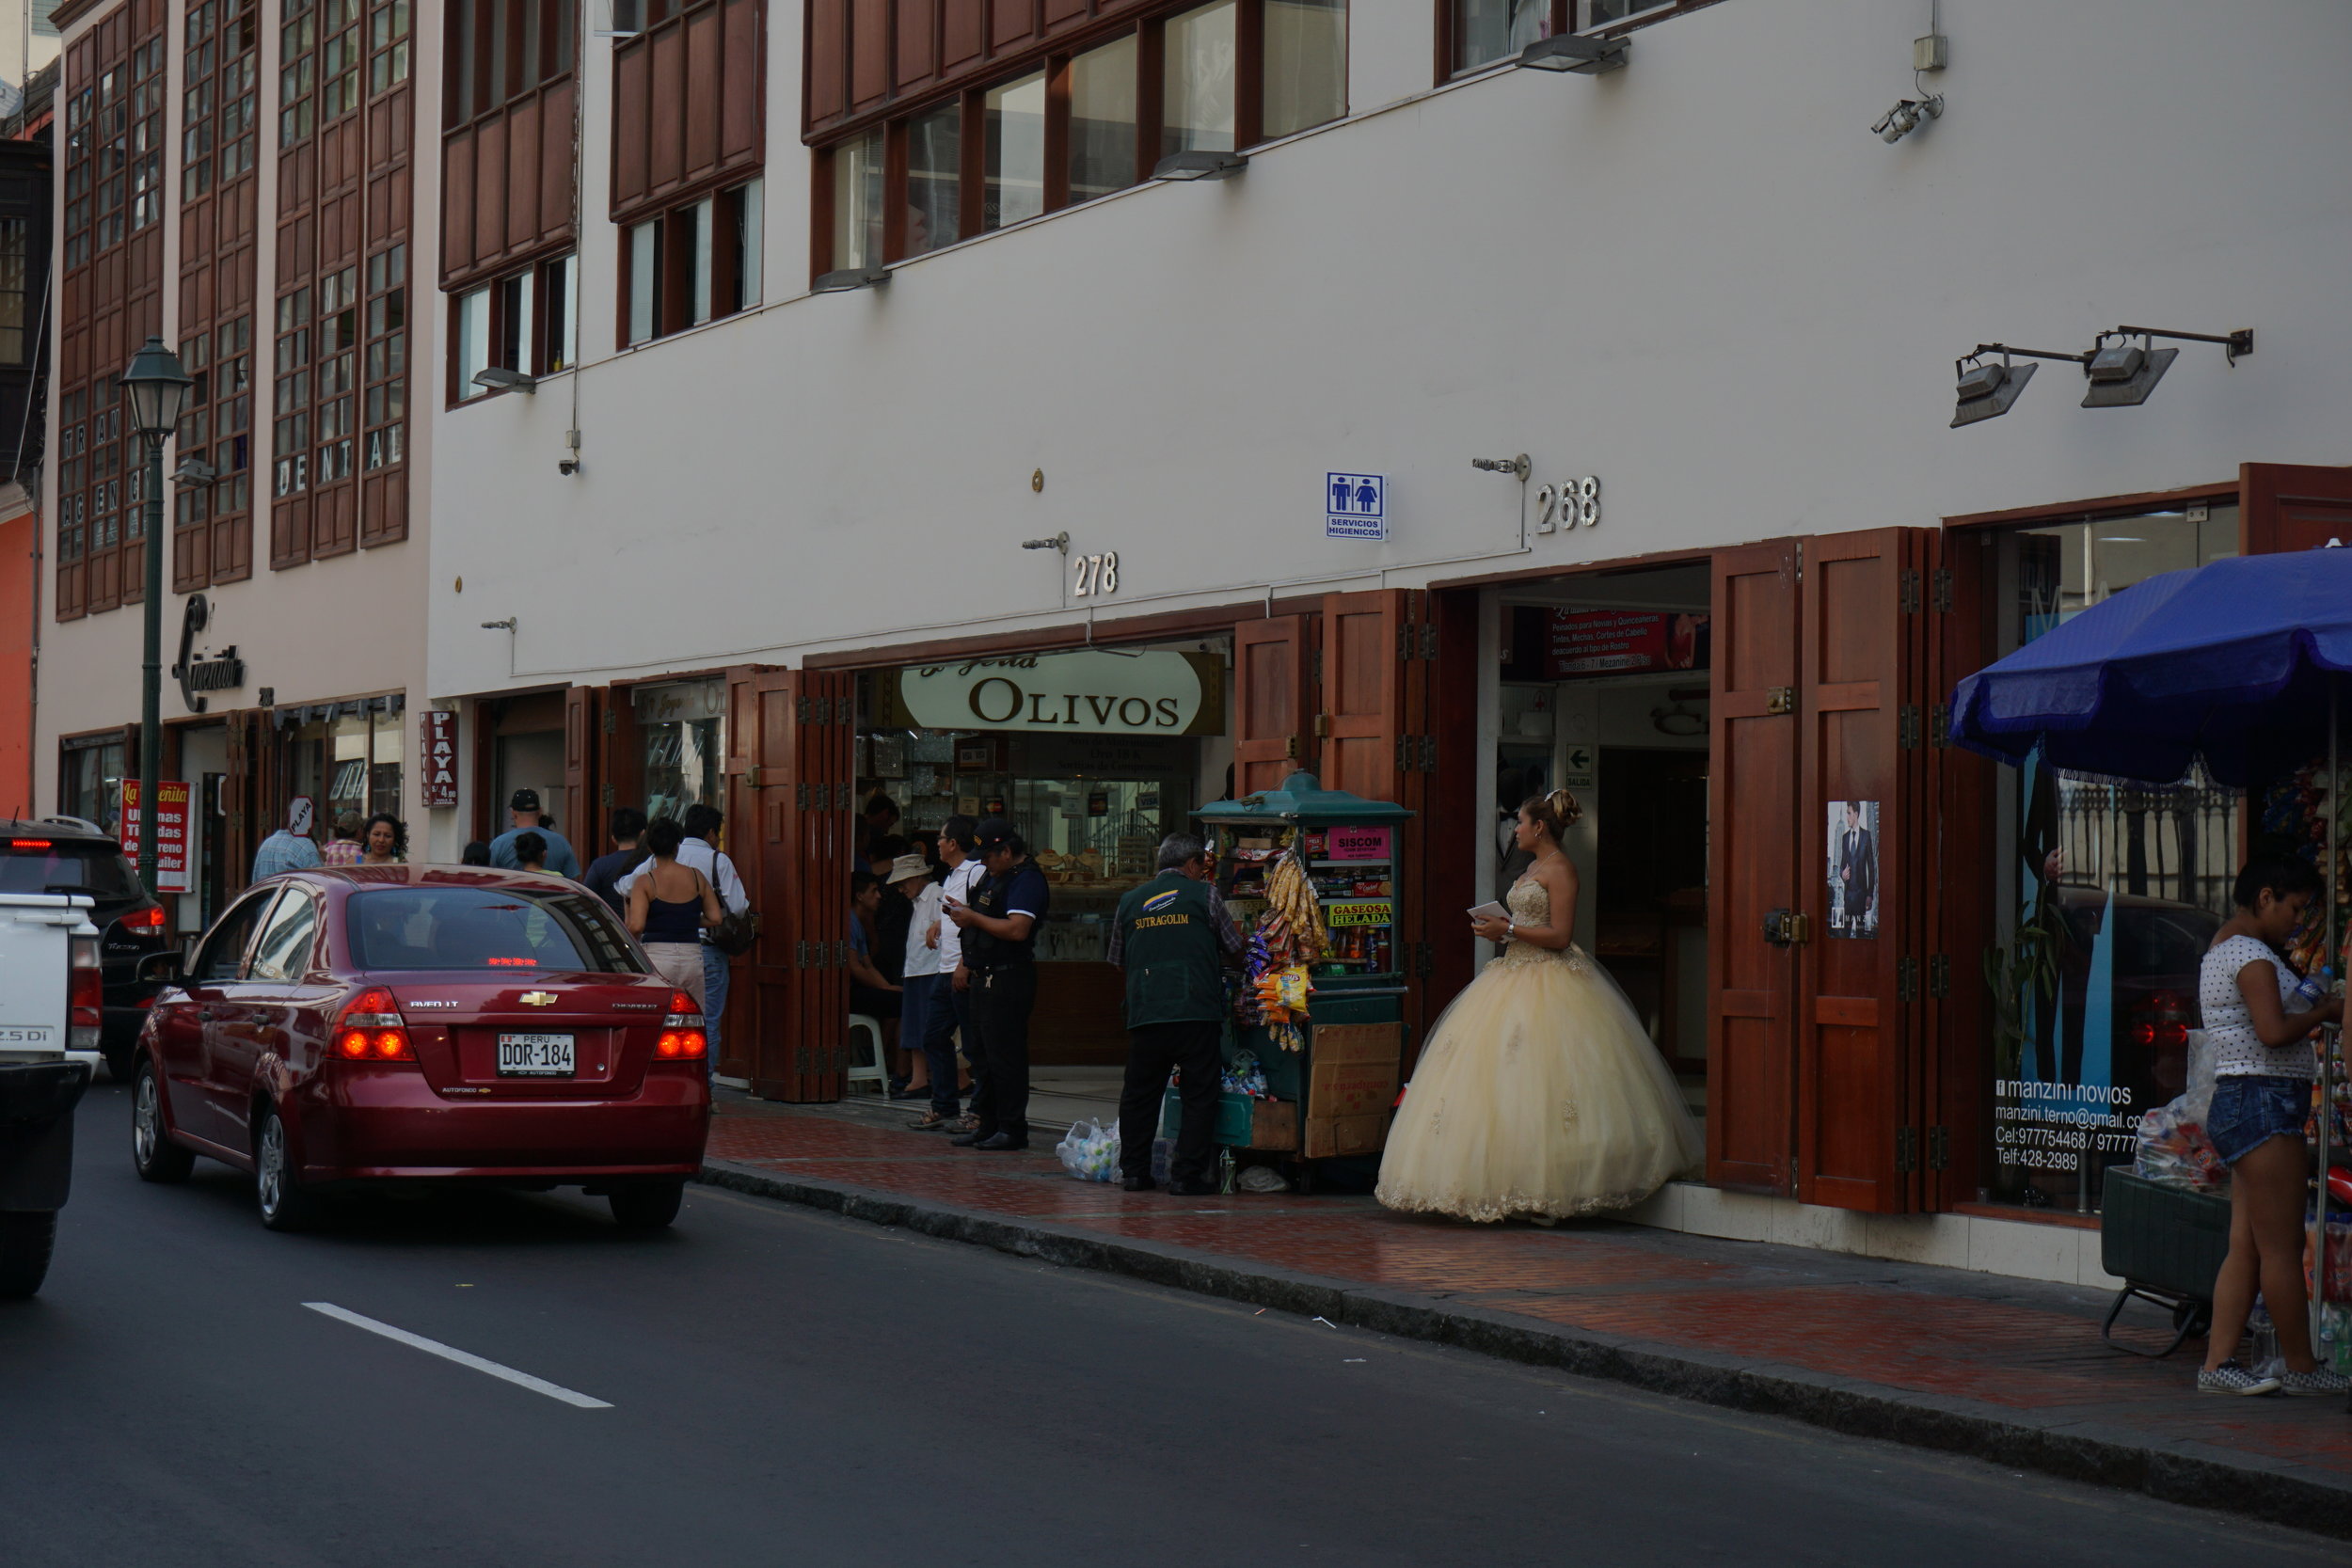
(1089, 693)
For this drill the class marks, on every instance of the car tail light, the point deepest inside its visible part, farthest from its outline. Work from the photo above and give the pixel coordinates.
(151, 918)
(28, 843)
(2159, 1021)
(682, 1045)
(372, 1030)
(85, 997)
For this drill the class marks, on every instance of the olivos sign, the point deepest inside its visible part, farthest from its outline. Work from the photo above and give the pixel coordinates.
(1092, 691)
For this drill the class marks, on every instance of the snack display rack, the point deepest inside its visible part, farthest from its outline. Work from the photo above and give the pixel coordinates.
(1331, 1077)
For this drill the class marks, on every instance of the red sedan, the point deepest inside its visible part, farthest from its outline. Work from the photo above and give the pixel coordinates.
(355, 1024)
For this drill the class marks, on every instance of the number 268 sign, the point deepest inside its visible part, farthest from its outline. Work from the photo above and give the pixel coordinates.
(1567, 504)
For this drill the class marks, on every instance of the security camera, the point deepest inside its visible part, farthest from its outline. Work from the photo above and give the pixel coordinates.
(1904, 118)
(568, 466)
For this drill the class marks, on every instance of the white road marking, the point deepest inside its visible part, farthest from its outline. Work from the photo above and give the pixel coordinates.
(464, 1358)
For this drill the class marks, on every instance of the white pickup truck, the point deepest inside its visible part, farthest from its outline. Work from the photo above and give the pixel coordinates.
(51, 1008)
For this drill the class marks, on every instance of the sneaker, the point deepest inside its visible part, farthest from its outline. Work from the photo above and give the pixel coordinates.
(2312, 1384)
(2231, 1378)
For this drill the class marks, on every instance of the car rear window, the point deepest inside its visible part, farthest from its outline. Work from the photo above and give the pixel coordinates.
(60, 865)
(485, 928)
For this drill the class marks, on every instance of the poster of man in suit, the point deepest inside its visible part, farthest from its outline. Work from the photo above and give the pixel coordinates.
(1853, 868)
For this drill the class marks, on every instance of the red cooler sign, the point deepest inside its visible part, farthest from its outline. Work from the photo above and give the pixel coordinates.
(171, 833)
(437, 750)
(1622, 641)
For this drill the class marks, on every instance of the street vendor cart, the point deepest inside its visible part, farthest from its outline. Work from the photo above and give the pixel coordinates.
(1314, 878)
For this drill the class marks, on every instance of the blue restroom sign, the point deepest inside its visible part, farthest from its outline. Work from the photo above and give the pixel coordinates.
(1356, 506)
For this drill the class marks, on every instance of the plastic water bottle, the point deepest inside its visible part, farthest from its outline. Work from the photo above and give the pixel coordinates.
(2265, 1337)
(2308, 994)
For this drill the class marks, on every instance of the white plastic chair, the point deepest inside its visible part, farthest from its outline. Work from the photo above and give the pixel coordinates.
(877, 1066)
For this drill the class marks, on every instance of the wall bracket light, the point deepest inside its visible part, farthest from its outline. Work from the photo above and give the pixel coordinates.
(193, 473)
(1987, 392)
(1058, 541)
(498, 378)
(842, 279)
(1580, 52)
(1201, 164)
(1518, 468)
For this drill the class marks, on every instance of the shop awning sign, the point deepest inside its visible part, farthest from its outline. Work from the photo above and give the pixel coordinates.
(1088, 691)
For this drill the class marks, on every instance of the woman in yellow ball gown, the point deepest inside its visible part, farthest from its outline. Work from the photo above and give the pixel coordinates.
(1539, 1095)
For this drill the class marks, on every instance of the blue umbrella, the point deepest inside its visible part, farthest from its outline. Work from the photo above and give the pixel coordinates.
(2231, 661)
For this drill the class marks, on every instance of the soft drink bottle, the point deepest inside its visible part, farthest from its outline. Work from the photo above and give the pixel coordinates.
(2313, 986)
(2265, 1337)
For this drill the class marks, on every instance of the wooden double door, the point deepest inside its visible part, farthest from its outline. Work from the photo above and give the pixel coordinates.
(1844, 943)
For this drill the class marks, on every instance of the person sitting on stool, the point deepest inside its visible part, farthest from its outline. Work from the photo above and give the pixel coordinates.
(999, 941)
(1174, 938)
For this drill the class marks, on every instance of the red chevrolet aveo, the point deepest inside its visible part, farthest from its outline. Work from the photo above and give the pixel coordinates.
(355, 1024)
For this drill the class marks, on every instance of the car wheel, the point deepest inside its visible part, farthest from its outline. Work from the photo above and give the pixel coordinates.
(25, 1240)
(646, 1205)
(285, 1202)
(153, 1155)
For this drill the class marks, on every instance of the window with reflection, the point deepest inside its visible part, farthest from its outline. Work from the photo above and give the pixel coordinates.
(1305, 64)
(935, 178)
(857, 202)
(1198, 79)
(1012, 181)
(1103, 119)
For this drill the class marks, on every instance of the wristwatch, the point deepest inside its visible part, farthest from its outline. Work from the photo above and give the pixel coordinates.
(1510, 930)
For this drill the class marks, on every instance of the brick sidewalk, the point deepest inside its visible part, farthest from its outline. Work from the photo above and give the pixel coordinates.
(2011, 1369)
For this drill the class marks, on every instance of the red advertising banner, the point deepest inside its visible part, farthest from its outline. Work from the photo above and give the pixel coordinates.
(171, 833)
(436, 756)
(1622, 641)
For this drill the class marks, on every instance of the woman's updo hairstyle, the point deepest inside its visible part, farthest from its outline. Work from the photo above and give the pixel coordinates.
(1554, 813)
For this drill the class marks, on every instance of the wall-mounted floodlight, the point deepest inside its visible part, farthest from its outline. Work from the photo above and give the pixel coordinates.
(498, 378)
(1058, 541)
(1987, 391)
(842, 279)
(194, 473)
(1517, 467)
(1577, 52)
(1201, 164)
(2123, 374)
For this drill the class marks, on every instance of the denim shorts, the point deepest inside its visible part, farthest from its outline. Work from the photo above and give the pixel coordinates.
(2248, 1112)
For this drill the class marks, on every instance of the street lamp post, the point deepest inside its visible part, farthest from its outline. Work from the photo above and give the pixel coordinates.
(153, 388)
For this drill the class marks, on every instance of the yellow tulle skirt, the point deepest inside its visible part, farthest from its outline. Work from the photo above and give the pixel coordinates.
(1539, 1094)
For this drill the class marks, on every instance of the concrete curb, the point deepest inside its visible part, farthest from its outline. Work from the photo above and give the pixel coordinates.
(2193, 1474)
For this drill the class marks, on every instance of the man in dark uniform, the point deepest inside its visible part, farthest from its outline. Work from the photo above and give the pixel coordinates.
(1174, 938)
(999, 939)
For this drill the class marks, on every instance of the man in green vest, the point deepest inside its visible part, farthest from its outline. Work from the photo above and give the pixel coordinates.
(1175, 939)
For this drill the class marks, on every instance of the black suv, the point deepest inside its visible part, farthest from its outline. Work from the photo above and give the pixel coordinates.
(65, 854)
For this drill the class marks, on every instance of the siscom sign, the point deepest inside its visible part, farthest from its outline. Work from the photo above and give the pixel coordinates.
(1090, 691)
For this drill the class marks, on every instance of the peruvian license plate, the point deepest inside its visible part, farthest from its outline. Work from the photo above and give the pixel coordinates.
(534, 1056)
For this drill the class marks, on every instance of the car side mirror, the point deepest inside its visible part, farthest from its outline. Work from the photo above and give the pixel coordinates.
(171, 969)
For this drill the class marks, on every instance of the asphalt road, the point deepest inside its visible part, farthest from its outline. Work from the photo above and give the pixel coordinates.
(783, 1387)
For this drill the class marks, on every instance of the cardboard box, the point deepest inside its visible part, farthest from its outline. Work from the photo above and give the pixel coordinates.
(1325, 1136)
(1350, 1088)
(1356, 1043)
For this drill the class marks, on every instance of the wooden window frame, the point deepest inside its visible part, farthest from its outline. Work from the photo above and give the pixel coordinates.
(675, 256)
(1567, 16)
(1054, 61)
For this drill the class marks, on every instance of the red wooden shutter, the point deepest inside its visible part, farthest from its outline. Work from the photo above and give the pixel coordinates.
(1362, 720)
(238, 839)
(578, 819)
(1272, 700)
(1751, 866)
(620, 756)
(789, 807)
(1958, 895)
(1862, 723)
(2293, 507)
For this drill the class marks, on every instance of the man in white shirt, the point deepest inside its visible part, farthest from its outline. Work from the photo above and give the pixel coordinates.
(957, 847)
(701, 851)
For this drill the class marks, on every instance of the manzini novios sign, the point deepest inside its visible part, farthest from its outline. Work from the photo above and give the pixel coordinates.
(1092, 691)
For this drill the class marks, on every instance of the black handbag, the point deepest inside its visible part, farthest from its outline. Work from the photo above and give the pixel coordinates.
(736, 932)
